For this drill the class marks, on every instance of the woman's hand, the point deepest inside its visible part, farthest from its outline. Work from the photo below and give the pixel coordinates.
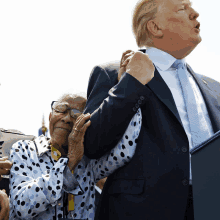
(75, 140)
(126, 56)
(4, 204)
(101, 183)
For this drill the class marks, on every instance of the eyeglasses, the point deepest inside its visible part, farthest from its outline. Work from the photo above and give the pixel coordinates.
(63, 108)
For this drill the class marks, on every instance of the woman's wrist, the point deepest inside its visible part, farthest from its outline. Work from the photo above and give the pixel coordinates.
(73, 162)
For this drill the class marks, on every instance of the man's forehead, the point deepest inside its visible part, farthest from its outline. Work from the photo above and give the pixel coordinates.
(177, 1)
(171, 4)
(188, 2)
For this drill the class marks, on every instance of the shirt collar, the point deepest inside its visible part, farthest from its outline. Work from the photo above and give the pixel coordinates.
(42, 144)
(161, 59)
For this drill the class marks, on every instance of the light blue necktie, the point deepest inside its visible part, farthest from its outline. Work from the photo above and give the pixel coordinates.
(198, 125)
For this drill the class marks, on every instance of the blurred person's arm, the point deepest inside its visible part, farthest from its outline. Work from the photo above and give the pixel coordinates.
(5, 166)
(4, 205)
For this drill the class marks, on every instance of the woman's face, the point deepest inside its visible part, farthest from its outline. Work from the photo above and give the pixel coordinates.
(61, 124)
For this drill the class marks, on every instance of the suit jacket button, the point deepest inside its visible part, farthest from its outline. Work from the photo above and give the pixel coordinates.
(184, 149)
(185, 182)
(136, 105)
(142, 98)
(134, 109)
(139, 102)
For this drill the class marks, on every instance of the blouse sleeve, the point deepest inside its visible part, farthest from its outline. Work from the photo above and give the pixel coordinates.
(123, 151)
(31, 189)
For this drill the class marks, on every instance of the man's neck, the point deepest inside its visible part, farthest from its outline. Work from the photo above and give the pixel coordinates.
(178, 53)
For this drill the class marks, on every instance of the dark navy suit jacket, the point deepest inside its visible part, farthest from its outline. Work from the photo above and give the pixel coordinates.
(154, 185)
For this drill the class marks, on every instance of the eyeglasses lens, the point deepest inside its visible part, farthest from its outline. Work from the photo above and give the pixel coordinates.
(60, 107)
(75, 113)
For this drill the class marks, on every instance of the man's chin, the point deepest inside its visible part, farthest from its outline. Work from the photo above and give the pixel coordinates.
(197, 39)
(194, 43)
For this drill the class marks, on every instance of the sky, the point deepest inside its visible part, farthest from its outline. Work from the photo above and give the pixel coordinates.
(48, 48)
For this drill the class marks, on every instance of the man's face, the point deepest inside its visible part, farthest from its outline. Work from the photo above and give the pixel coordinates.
(61, 124)
(178, 22)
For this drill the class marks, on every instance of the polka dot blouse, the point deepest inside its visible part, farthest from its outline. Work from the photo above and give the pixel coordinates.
(39, 184)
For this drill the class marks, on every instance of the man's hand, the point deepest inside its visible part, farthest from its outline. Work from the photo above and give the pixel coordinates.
(5, 166)
(4, 203)
(124, 61)
(139, 66)
(76, 139)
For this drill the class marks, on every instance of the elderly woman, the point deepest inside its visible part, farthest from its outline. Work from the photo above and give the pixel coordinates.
(41, 182)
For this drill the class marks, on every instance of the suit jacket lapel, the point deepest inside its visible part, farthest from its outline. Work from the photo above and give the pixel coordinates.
(212, 103)
(162, 91)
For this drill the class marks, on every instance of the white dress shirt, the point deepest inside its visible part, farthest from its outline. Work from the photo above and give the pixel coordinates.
(163, 62)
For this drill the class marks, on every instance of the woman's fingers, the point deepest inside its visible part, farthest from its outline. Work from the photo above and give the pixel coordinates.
(85, 126)
(82, 121)
(78, 132)
(78, 120)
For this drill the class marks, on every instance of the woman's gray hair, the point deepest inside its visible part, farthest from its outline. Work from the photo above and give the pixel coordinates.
(75, 97)
(144, 11)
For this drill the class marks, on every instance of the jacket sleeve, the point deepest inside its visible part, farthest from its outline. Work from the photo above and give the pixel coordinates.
(112, 108)
(33, 189)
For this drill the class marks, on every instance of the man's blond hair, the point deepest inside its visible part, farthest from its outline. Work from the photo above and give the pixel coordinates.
(144, 11)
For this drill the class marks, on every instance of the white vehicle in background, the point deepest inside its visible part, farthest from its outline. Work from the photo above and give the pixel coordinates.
(7, 139)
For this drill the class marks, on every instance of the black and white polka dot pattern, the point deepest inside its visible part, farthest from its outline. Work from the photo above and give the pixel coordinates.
(36, 181)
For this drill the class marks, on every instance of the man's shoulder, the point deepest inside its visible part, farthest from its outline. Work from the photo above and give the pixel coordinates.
(211, 84)
(110, 68)
(209, 81)
(107, 71)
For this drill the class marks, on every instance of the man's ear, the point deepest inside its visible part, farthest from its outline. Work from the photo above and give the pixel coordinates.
(154, 28)
(50, 115)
